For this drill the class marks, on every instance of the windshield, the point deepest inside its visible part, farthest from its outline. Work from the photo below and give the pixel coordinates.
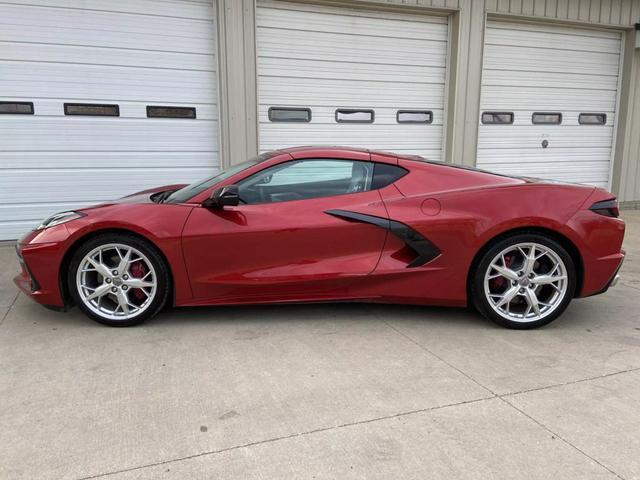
(200, 186)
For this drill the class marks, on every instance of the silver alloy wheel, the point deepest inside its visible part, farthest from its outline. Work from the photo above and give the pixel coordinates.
(116, 281)
(526, 282)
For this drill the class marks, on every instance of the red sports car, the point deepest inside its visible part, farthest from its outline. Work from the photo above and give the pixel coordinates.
(314, 224)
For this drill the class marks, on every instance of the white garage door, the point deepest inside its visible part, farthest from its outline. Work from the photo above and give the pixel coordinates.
(124, 56)
(335, 76)
(548, 104)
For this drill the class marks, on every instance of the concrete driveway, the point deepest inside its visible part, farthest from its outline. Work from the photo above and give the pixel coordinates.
(322, 391)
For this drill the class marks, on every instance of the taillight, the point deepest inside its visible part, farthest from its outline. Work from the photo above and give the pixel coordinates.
(608, 208)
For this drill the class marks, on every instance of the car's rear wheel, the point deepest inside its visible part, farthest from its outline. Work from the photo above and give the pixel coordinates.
(118, 279)
(524, 281)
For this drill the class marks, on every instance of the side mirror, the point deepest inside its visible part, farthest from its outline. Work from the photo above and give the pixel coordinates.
(223, 196)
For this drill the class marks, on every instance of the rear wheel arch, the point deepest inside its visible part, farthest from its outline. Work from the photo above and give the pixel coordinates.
(564, 241)
(66, 261)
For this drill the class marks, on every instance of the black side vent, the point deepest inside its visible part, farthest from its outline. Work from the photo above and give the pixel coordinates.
(422, 247)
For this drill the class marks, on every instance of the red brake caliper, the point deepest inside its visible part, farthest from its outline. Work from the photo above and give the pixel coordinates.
(138, 270)
(500, 282)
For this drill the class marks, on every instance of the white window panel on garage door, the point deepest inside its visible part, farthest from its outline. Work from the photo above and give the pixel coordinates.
(326, 58)
(129, 53)
(534, 68)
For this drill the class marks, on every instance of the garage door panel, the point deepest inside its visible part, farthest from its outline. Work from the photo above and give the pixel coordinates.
(309, 69)
(106, 82)
(106, 56)
(110, 134)
(541, 99)
(35, 24)
(381, 25)
(547, 68)
(569, 118)
(326, 58)
(55, 108)
(343, 94)
(381, 138)
(194, 9)
(371, 51)
(129, 53)
(92, 184)
(15, 230)
(556, 29)
(557, 168)
(547, 60)
(550, 79)
(38, 159)
(504, 136)
(562, 40)
(505, 156)
(383, 116)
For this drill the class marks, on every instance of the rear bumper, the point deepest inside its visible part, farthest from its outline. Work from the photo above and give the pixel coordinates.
(599, 242)
(613, 279)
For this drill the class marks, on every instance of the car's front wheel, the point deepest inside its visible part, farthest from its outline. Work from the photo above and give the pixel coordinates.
(118, 279)
(524, 281)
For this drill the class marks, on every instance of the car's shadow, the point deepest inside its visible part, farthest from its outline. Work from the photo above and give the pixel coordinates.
(317, 312)
(575, 318)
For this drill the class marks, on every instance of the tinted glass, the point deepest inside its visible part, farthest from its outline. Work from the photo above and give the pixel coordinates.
(414, 116)
(546, 118)
(196, 188)
(281, 114)
(16, 108)
(346, 115)
(91, 109)
(592, 119)
(305, 179)
(170, 112)
(504, 118)
(385, 174)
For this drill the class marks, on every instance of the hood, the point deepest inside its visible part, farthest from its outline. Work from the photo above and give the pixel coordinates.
(146, 196)
(143, 196)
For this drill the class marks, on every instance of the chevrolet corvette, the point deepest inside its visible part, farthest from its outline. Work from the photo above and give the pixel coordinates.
(318, 224)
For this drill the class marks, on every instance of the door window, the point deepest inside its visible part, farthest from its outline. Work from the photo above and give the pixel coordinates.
(305, 179)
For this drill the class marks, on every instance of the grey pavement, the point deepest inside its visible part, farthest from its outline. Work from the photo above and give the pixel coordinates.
(322, 391)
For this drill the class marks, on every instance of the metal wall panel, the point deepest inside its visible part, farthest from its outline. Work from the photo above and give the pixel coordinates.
(530, 68)
(325, 58)
(630, 151)
(130, 53)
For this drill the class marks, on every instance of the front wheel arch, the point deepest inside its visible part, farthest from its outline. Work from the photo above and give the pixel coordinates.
(568, 245)
(66, 260)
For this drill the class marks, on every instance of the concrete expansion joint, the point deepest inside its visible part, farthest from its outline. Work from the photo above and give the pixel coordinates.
(504, 399)
(15, 299)
(286, 437)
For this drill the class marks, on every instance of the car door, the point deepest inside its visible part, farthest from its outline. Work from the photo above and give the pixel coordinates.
(281, 243)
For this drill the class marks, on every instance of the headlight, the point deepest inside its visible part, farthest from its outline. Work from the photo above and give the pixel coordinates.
(60, 218)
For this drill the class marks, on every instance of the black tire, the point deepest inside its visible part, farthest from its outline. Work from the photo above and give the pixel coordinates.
(145, 247)
(480, 300)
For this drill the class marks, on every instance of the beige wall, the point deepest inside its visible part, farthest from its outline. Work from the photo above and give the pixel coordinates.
(238, 97)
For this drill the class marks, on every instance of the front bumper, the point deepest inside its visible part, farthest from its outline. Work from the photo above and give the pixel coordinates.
(39, 272)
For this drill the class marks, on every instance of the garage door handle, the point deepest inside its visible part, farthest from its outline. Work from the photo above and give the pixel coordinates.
(545, 143)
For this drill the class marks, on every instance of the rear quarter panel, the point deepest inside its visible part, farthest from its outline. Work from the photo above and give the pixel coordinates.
(460, 211)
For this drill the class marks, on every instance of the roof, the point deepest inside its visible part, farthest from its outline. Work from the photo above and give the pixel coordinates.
(338, 148)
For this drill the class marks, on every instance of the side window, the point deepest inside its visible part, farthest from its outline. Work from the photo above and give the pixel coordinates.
(305, 179)
(497, 118)
(385, 174)
(592, 118)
